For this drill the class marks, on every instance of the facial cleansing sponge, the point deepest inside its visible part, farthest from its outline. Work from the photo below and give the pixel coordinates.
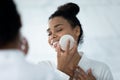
(63, 41)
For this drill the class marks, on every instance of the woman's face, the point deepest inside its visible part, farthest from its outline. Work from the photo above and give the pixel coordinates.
(58, 26)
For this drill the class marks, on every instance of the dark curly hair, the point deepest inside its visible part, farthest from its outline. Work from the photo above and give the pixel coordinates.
(10, 21)
(69, 11)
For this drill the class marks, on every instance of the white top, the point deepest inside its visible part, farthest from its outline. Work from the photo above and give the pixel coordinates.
(100, 70)
(13, 66)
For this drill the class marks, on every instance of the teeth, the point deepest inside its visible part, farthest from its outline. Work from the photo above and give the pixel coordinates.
(55, 44)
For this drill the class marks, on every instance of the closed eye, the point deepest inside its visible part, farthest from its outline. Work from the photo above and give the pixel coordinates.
(49, 33)
(58, 30)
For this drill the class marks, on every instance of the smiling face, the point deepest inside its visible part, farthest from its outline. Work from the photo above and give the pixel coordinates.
(58, 26)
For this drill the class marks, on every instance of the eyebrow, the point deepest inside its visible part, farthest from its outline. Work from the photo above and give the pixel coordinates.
(54, 27)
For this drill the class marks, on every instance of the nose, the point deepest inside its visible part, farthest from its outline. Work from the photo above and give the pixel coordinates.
(53, 36)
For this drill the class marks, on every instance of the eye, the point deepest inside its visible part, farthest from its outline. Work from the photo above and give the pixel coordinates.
(49, 33)
(59, 29)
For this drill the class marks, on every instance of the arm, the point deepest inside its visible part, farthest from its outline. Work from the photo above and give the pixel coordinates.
(68, 61)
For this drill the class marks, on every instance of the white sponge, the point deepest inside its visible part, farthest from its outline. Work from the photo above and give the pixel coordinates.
(63, 41)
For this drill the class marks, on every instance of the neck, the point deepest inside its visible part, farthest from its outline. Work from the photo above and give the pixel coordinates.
(11, 45)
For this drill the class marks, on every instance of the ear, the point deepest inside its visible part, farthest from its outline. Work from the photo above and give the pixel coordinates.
(77, 31)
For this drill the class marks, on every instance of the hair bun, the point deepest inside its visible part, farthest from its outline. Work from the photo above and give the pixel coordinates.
(69, 8)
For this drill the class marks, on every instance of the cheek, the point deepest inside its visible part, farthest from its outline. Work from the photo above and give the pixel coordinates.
(60, 35)
(63, 33)
(75, 37)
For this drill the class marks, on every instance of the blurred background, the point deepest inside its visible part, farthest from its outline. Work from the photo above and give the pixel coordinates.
(100, 20)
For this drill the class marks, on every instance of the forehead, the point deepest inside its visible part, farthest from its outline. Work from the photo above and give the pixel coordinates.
(57, 20)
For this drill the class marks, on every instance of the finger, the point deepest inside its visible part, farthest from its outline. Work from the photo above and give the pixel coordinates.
(80, 70)
(74, 49)
(67, 47)
(91, 75)
(58, 50)
(75, 76)
(81, 73)
(70, 78)
(78, 76)
(89, 72)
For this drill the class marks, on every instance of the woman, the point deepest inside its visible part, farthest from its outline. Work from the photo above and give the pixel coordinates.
(64, 21)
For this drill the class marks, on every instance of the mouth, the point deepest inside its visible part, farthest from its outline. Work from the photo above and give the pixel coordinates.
(54, 43)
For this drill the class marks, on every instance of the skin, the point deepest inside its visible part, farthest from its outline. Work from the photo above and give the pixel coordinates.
(19, 43)
(81, 75)
(58, 26)
(24, 46)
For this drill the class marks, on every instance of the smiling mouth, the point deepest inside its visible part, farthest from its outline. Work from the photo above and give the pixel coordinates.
(54, 44)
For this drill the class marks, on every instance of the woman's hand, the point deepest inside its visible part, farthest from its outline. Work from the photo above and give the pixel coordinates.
(79, 74)
(68, 59)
